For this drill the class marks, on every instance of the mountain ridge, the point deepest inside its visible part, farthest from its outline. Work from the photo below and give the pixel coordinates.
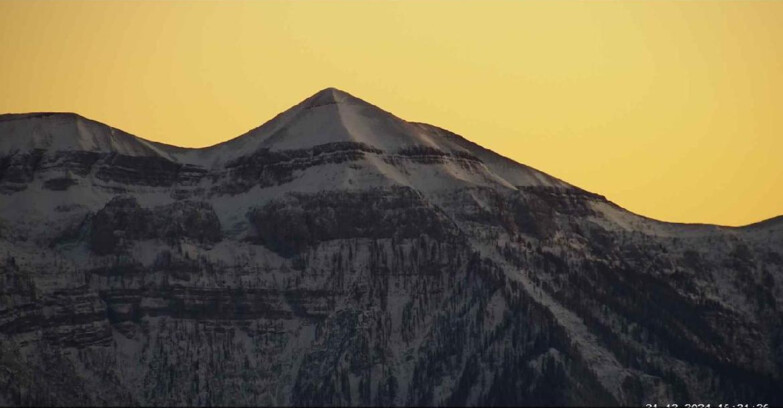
(325, 97)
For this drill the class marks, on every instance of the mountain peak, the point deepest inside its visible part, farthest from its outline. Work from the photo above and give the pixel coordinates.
(329, 96)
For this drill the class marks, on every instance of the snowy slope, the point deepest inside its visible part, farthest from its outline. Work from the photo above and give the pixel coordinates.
(70, 132)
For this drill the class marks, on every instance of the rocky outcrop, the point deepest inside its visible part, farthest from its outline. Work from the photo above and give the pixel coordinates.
(123, 221)
(290, 225)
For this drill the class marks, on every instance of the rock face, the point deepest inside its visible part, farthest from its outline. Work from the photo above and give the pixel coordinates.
(338, 255)
(122, 221)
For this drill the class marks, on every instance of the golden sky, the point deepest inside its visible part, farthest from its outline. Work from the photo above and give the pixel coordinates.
(673, 110)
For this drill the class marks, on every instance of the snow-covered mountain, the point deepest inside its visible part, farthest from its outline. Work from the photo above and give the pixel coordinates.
(338, 254)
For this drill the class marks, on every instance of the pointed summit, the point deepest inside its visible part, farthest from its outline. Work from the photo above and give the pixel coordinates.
(329, 96)
(334, 117)
(328, 116)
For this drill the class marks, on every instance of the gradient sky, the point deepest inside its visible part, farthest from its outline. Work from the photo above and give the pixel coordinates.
(673, 110)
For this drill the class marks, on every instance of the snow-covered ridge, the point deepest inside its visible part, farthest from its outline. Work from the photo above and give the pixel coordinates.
(327, 117)
(72, 132)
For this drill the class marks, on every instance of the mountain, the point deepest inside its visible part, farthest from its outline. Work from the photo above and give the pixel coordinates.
(339, 255)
